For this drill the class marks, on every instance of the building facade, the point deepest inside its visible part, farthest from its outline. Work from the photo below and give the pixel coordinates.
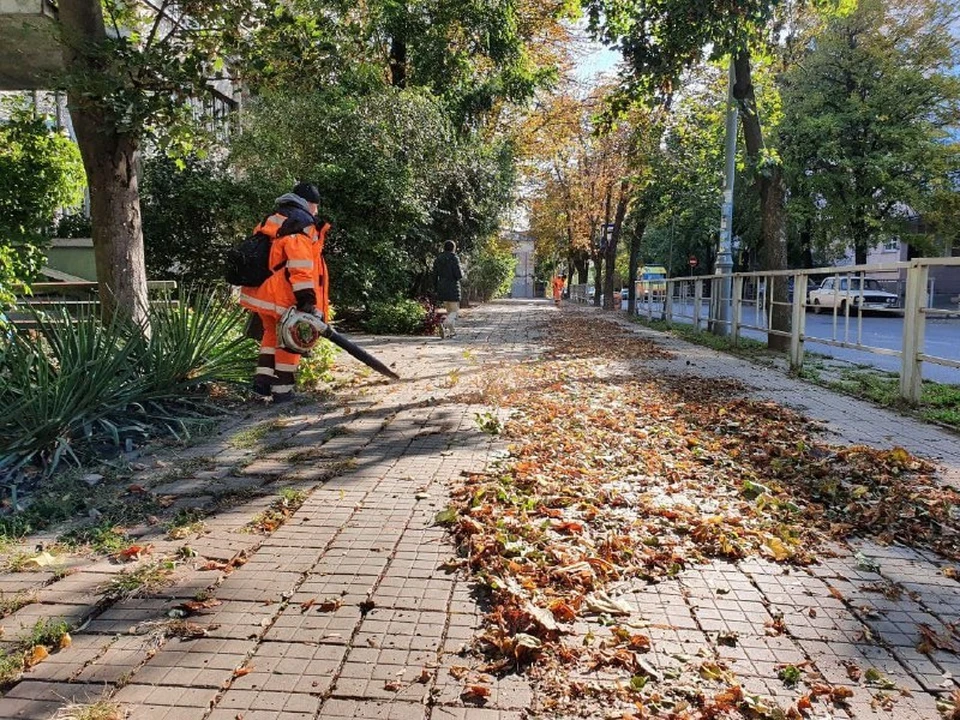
(523, 251)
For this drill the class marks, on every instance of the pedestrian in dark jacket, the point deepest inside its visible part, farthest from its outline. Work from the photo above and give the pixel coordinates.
(447, 275)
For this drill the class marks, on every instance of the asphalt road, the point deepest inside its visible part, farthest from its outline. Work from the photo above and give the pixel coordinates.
(942, 339)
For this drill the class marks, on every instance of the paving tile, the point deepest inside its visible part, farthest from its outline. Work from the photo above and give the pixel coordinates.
(128, 616)
(507, 692)
(409, 593)
(61, 692)
(165, 712)
(387, 674)
(250, 587)
(19, 625)
(166, 696)
(13, 583)
(28, 709)
(335, 628)
(292, 668)
(237, 619)
(204, 662)
(461, 713)
(120, 657)
(344, 709)
(232, 714)
(348, 589)
(401, 629)
(75, 589)
(240, 702)
(352, 562)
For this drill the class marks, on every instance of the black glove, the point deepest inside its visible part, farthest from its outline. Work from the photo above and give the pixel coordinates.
(306, 300)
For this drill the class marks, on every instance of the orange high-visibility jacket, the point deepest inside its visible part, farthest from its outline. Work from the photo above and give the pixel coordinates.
(557, 285)
(298, 264)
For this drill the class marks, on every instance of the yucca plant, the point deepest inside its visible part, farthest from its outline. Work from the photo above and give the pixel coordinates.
(75, 382)
(61, 383)
(193, 342)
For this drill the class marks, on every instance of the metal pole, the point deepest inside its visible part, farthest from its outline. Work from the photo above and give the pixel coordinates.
(724, 262)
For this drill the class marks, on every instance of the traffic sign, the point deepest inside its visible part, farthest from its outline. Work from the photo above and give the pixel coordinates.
(693, 261)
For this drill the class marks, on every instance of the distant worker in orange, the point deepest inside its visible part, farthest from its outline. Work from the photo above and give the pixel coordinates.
(558, 283)
(298, 279)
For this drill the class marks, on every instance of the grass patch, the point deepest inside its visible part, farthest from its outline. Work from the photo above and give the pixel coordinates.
(11, 602)
(102, 710)
(278, 512)
(744, 346)
(19, 562)
(187, 521)
(49, 633)
(143, 579)
(105, 538)
(307, 454)
(67, 496)
(185, 468)
(45, 637)
(249, 437)
(11, 667)
(938, 402)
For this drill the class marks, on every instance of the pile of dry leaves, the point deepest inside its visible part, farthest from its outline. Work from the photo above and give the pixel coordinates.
(617, 476)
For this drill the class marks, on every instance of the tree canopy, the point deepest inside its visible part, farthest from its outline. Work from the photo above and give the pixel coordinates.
(868, 112)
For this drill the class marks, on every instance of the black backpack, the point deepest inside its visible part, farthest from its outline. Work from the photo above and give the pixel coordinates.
(248, 262)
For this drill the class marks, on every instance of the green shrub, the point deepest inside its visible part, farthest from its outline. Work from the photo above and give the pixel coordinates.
(490, 271)
(400, 317)
(314, 369)
(40, 172)
(192, 212)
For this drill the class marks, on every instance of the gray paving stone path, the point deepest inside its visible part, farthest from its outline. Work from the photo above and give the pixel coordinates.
(346, 610)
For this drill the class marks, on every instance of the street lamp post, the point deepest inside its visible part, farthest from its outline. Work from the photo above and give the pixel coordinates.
(724, 262)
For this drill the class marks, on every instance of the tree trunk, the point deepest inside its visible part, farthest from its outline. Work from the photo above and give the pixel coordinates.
(770, 184)
(594, 256)
(860, 252)
(398, 63)
(635, 241)
(806, 244)
(110, 160)
(611, 253)
(582, 264)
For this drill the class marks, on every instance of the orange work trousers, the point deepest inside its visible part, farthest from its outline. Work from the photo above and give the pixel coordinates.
(275, 366)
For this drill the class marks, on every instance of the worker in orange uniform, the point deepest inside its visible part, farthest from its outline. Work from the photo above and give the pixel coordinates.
(558, 283)
(299, 278)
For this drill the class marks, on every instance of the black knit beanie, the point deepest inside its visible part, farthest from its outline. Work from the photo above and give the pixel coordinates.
(308, 192)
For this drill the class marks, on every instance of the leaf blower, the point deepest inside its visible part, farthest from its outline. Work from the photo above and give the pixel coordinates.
(299, 332)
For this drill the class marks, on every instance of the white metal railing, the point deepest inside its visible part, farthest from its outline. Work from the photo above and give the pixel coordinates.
(755, 297)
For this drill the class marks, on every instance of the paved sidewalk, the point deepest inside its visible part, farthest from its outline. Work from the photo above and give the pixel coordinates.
(346, 610)
(342, 612)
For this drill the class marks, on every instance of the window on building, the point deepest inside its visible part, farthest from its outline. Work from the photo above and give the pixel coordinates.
(891, 244)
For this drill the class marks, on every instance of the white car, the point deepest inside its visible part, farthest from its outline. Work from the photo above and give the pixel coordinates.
(838, 292)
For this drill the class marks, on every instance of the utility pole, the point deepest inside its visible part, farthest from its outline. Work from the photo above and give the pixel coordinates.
(724, 262)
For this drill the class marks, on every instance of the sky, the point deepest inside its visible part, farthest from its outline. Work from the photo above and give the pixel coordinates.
(593, 57)
(598, 60)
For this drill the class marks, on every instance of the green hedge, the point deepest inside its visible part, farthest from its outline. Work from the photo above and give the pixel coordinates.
(400, 317)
